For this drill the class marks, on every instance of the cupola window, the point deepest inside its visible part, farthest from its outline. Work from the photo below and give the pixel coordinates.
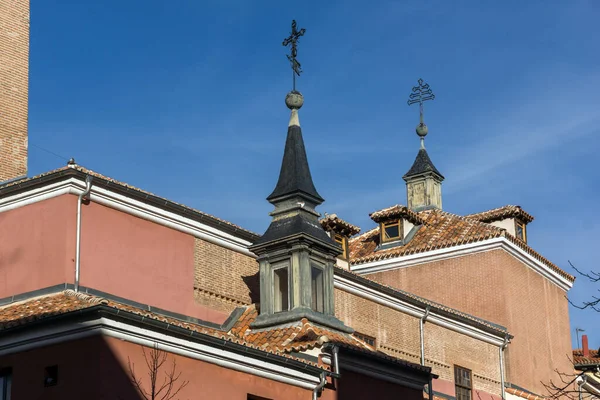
(317, 287)
(391, 231)
(520, 231)
(280, 289)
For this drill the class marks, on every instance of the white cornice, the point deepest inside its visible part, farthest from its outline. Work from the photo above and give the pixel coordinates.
(416, 311)
(130, 206)
(461, 250)
(32, 339)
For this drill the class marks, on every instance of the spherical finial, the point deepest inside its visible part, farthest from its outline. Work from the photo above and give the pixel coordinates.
(71, 161)
(422, 130)
(294, 100)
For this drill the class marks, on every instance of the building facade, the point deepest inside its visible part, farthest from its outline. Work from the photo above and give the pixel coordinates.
(102, 282)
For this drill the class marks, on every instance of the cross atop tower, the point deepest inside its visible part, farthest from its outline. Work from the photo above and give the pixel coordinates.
(293, 40)
(419, 95)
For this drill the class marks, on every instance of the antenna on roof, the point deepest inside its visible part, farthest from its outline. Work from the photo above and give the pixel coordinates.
(577, 330)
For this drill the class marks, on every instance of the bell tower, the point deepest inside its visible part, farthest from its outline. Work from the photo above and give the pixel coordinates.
(296, 256)
(423, 180)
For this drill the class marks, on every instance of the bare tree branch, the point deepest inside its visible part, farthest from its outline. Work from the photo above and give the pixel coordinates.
(593, 277)
(155, 359)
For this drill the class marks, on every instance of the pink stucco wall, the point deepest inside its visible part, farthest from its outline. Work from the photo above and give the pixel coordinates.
(140, 260)
(121, 254)
(37, 245)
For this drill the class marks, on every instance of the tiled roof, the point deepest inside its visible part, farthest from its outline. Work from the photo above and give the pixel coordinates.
(24, 312)
(592, 359)
(502, 213)
(293, 337)
(397, 211)
(332, 222)
(439, 230)
(113, 182)
(523, 394)
(296, 336)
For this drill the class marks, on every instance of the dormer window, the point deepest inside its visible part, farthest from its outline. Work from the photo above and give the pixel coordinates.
(280, 289)
(520, 231)
(342, 241)
(391, 231)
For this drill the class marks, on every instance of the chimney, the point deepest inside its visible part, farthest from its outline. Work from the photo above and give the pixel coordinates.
(584, 345)
(14, 47)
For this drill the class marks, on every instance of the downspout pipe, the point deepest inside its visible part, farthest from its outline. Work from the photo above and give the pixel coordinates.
(501, 353)
(319, 388)
(82, 195)
(422, 334)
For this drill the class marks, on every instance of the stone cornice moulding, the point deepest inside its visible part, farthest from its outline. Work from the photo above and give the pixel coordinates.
(415, 311)
(130, 206)
(461, 250)
(51, 335)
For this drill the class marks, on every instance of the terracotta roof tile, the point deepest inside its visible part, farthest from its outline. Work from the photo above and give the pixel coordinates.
(397, 211)
(298, 336)
(332, 222)
(499, 213)
(439, 230)
(40, 308)
(523, 394)
(592, 359)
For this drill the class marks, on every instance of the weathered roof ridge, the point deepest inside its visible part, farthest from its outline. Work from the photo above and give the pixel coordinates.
(368, 233)
(507, 211)
(333, 221)
(397, 211)
(129, 189)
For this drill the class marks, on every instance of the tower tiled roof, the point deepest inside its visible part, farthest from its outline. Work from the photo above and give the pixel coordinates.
(422, 165)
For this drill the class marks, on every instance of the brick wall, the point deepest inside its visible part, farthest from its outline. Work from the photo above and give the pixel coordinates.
(398, 335)
(224, 279)
(497, 287)
(14, 70)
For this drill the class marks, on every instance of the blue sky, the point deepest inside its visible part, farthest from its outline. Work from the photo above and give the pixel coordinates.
(185, 99)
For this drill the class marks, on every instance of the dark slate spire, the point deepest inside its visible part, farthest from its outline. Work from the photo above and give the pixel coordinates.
(295, 177)
(295, 196)
(422, 165)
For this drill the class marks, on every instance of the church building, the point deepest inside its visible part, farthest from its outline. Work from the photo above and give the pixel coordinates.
(109, 291)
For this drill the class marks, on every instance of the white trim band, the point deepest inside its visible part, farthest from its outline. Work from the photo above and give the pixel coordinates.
(130, 206)
(46, 336)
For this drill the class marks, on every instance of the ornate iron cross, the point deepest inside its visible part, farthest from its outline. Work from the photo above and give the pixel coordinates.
(420, 94)
(293, 40)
